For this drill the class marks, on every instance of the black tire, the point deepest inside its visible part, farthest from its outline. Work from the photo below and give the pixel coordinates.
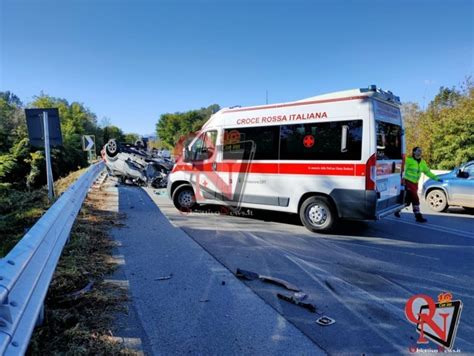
(437, 201)
(183, 198)
(318, 214)
(112, 148)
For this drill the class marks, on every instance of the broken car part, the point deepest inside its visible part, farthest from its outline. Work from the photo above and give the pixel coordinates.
(249, 275)
(279, 282)
(325, 320)
(292, 299)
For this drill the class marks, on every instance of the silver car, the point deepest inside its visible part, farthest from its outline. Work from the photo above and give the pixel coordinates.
(457, 188)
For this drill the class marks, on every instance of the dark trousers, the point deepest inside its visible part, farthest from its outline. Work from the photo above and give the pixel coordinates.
(412, 196)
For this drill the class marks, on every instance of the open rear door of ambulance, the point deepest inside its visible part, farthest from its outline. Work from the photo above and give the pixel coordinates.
(389, 158)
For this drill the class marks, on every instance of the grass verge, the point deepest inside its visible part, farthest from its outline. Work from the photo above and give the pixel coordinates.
(19, 210)
(80, 306)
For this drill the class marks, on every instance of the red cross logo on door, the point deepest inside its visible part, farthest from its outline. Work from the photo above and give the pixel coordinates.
(308, 141)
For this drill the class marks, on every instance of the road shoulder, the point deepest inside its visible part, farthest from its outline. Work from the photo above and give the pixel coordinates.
(186, 300)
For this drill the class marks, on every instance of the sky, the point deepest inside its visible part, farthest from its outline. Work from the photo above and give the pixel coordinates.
(133, 60)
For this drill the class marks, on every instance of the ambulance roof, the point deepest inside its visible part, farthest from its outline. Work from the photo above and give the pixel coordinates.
(352, 93)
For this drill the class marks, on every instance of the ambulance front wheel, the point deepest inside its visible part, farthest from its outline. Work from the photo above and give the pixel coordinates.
(318, 214)
(183, 198)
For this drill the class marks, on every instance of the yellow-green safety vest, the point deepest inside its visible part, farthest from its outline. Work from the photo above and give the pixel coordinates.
(413, 170)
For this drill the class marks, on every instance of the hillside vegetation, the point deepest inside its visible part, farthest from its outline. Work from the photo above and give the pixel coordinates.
(445, 129)
(21, 165)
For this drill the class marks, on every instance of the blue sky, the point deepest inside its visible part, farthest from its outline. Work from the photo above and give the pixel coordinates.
(132, 60)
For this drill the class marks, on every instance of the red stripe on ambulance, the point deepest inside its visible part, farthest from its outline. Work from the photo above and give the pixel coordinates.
(341, 169)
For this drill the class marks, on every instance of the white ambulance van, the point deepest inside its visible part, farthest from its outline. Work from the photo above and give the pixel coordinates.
(328, 157)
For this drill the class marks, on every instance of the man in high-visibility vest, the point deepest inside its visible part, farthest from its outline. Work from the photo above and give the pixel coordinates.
(414, 166)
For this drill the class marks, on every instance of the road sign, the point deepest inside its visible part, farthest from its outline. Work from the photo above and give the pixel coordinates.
(35, 123)
(88, 143)
(44, 129)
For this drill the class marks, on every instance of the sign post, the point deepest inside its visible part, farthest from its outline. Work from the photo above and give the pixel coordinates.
(47, 153)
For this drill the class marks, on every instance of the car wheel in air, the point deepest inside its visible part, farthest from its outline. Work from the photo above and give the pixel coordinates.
(111, 148)
(437, 201)
(184, 198)
(317, 214)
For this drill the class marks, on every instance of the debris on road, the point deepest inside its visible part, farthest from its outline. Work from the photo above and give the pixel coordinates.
(164, 278)
(300, 296)
(295, 300)
(80, 292)
(280, 282)
(250, 276)
(325, 320)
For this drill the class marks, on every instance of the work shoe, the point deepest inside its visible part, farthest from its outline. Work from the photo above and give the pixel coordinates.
(397, 214)
(419, 218)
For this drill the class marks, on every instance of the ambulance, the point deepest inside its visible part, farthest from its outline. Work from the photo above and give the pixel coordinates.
(328, 157)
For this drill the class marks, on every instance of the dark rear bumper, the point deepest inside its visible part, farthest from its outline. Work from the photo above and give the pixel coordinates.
(355, 204)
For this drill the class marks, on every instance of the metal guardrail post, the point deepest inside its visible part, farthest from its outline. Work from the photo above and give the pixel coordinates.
(27, 270)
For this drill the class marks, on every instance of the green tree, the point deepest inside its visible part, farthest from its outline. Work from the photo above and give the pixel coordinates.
(37, 176)
(171, 127)
(445, 131)
(112, 132)
(12, 120)
(412, 113)
(453, 135)
(131, 138)
(7, 163)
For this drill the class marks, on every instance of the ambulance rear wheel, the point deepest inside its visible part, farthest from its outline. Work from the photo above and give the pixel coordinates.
(184, 199)
(318, 214)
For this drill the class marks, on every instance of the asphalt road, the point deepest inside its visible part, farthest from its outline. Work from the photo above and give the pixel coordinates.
(361, 276)
(182, 300)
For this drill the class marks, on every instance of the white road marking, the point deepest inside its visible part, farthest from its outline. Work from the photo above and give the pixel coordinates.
(429, 226)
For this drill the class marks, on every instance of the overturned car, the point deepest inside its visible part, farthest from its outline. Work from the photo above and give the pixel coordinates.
(133, 164)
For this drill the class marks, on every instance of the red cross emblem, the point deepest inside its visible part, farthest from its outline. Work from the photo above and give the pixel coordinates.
(308, 141)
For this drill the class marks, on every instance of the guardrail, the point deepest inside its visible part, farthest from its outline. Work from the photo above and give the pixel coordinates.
(27, 270)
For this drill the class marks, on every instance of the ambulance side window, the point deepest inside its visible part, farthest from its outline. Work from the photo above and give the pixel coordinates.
(236, 142)
(339, 140)
(204, 147)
